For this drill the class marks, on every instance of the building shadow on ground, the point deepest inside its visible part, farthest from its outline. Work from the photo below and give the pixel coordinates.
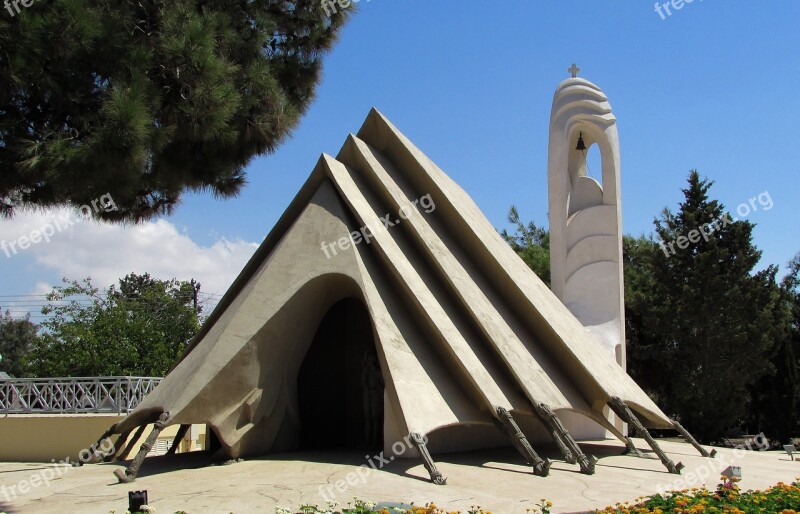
(159, 464)
(502, 459)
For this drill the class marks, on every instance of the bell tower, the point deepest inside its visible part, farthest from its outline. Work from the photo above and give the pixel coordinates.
(585, 214)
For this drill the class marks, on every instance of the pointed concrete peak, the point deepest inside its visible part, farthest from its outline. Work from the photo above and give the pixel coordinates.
(349, 144)
(326, 166)
(374, 117)
(354, 141)
(376, 122)
(375, 112)
(326, 162)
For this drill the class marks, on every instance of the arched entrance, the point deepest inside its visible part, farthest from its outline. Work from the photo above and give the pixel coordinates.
(340, 386)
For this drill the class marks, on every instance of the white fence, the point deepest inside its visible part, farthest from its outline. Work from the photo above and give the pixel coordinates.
(118, 395)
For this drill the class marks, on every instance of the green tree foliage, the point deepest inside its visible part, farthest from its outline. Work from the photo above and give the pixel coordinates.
(776, 397)
(706, 325)
(532, 244)
(137, 328)
(642, 351)
(712, 342)
(147, 99)
(16, 338)
(791, 284)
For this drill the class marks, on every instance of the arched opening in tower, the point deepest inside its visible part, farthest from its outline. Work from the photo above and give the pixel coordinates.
(594, 164)
(340, 386)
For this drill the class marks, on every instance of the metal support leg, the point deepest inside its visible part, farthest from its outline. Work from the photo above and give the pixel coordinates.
(93, 448)
(627, 415)
(691, 440)
(632, 450)
(554, 433)
(136, 436)
(178, 439)
(420, 443)
(541, 467)
(129, 475)
(560, 432)
(118, 446)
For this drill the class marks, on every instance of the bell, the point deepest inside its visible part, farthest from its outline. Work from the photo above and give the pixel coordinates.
(581, 145)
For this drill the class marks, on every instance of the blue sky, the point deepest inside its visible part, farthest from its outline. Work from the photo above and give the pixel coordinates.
(711, 87)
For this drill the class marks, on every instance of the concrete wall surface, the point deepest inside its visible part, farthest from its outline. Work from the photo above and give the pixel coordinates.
(58, 437)
(47, 437)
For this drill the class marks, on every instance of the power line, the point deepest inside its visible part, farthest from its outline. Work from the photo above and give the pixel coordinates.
(30, 305)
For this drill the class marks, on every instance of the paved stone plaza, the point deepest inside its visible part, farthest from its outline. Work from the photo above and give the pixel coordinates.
(493, 479)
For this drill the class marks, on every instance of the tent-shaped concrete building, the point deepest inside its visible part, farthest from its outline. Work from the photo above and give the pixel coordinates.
(385, 307)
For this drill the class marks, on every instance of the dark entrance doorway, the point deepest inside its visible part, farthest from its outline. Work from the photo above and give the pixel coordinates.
(339, 386)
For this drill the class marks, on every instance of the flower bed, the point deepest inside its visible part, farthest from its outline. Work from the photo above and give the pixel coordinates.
(363, 507)
(727, 498)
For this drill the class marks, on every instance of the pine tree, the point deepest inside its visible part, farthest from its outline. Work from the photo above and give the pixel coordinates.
(642, 354)
(710, 326)
(532, 244)
(791, 285)
(147, 99)
(776, 406)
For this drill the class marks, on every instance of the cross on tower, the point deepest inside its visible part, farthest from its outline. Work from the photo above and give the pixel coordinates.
(574, 70)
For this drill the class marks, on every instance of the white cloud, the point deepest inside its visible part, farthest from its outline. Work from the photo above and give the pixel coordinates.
(78, 248)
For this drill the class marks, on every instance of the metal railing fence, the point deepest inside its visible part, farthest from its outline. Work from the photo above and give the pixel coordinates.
(118, 395)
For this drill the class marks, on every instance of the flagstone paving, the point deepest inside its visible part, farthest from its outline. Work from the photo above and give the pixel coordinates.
(494, 479)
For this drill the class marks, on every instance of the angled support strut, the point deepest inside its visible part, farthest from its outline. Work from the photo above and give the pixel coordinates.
(541, 467)
(131, 442)
(627, 415)
(565, 442)
(119, 445)
(129, 475)
(556, 436)
(420, 443)
(691, 440)
(176, 443)
(632, 450)
(93, 448)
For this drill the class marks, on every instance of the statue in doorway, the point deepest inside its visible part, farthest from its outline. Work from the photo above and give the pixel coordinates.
(372, 387)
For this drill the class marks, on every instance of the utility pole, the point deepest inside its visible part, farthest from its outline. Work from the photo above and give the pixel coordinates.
(195, 291)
